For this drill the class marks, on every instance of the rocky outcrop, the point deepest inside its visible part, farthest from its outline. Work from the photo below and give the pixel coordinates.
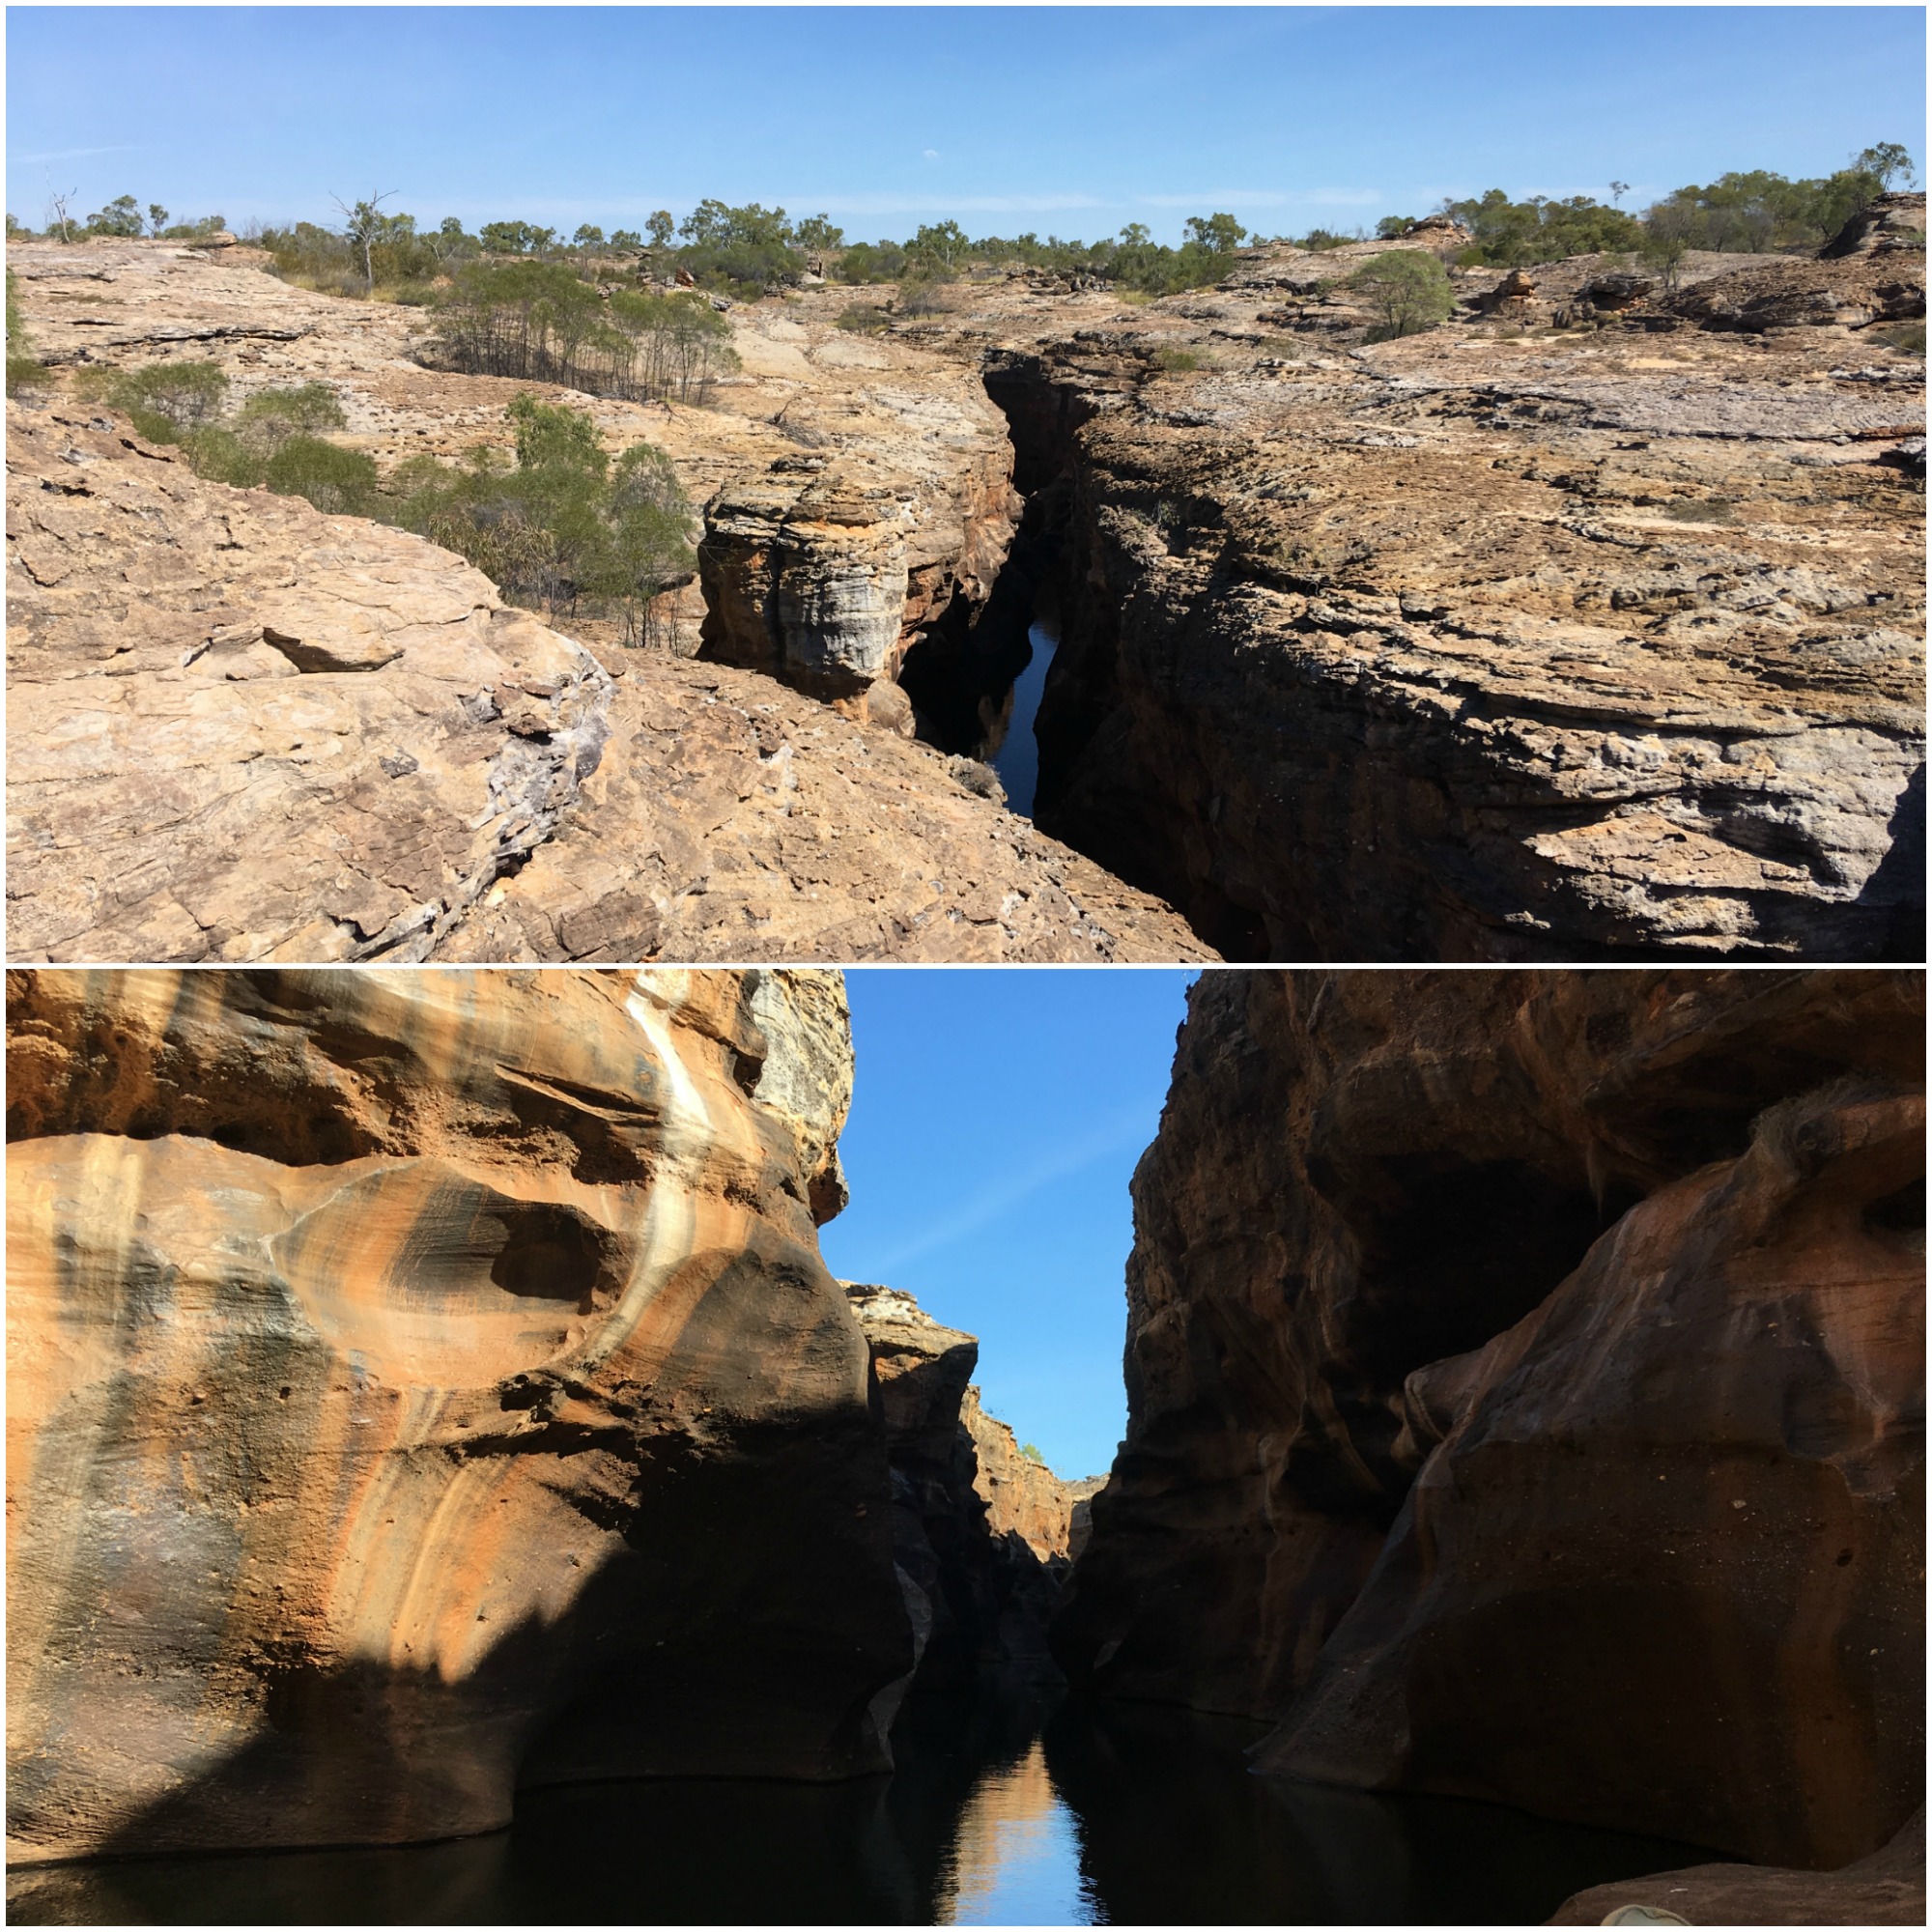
(828, 596)
(384, 1351)
(241, 730)
(825, 575)
(980, 1531)
(1389, 658)
(1023, 1498)
(1893, 221)
(1886, 1888)
(1849, 291)
(1532, 1410)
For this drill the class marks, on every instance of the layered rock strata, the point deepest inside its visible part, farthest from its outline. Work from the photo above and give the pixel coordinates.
(241, 730)
(1530, 1407)
(386, 1351)
(980, 1532)
(1591, 642)
(1412, 658)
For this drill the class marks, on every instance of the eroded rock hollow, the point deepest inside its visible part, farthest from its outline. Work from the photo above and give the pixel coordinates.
(1526, 1381)
(422, 1384)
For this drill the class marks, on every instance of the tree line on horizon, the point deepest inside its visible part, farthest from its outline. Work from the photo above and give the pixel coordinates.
(746, 251)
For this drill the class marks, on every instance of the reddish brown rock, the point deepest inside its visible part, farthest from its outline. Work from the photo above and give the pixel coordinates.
(1545, 1169)
(386, 1351)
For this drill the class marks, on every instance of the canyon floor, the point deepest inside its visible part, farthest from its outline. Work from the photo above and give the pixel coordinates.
(1503, 641)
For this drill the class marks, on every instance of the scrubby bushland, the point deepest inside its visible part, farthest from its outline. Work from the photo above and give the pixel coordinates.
(1756, 213)
(1407, 288)
(382, 255)
(270, 443)
(1761, 213)
(565, 528)
(1513, 234)
(539, 321)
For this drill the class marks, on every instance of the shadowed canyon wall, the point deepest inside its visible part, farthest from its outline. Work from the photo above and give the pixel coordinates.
(1525, 1380)
(980, 1532)
(422, 1383)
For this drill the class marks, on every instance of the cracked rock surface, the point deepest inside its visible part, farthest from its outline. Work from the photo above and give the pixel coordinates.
(240, 730)
(1589, 644)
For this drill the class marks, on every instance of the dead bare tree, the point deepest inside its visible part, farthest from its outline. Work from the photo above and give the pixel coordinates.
(57, 215)
(364, 225)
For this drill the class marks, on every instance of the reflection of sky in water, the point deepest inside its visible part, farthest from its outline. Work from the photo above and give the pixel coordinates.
(1015, 1858)
(1017, 760)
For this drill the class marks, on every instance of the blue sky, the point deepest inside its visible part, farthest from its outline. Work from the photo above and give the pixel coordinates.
(1060, 119)
(996, 1117)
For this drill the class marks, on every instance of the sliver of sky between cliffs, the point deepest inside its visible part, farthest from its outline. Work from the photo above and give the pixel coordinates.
(997, 1115)
(1068, 121)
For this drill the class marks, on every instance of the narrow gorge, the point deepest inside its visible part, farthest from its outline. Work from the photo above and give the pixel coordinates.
(1588, 626)
(431, 1419)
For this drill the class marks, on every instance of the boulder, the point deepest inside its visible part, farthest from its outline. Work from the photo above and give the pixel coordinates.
(385, 1354)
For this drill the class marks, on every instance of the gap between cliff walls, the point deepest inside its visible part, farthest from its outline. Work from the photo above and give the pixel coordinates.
(1047, 399)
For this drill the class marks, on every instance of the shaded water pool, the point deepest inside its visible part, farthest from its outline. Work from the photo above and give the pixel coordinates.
(1017, 760)
(1003, 1811)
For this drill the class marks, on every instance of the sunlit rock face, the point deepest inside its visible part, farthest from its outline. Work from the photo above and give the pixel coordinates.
(420, 1383)
(1525, 1381)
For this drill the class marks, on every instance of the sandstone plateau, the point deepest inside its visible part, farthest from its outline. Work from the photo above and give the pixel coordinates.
(1588, 626)
(1527, 1382)
(241, 730)
(245, 732)
(384, 1352)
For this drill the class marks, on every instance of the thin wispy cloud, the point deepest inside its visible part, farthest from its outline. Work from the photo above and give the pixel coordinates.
(73, 154)
(993, 1204)
(1232, 198)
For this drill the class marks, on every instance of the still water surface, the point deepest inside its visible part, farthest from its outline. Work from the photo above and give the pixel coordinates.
(1003, 1812)
(1017, 760)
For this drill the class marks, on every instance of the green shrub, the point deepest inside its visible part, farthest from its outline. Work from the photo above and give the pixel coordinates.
(921, 294)
(871, 261)
(162, 398)
(566, 528)
(337, 481)
(24, 370)
(864, 319)
(221, 456)
(1173, 358)
(275, 414)
(1407, 288)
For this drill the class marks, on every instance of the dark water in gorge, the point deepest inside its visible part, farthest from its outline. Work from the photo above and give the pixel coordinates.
(1003, 1811)
(1017, 760)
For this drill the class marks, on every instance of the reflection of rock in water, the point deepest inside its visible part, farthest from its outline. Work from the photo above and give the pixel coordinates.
(1015, 1857)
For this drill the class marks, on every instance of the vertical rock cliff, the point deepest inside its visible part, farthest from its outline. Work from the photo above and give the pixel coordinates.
(422, 1383)
(980, 1532)
(1526, 1377)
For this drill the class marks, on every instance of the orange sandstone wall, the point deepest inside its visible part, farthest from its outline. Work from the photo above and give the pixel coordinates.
(423, 1382)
